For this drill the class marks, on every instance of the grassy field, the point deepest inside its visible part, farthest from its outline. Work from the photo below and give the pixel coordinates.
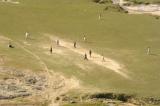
(119, 36)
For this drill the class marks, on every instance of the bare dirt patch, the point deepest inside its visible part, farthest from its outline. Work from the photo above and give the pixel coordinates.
(60, 85)
(55, 50)
(143, 9)
(10, 1)
(96, 58)
(83, 67)
(26, 43)
(153, 9)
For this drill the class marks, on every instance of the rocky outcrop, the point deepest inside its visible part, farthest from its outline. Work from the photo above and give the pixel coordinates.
(20, 83)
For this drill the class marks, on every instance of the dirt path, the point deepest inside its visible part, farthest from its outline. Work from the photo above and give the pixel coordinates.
(58, 84)
(96, 58)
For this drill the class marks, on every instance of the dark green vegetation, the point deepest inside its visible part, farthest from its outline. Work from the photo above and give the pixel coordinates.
(102, 1)
(117, 35)
(107, 99)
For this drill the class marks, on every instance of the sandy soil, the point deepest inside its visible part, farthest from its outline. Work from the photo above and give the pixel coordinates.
(10, 1)
(143, 9)
(96, 58)
(139, 9)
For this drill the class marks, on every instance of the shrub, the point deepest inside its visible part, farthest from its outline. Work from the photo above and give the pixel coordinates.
(96, 1)
(103, 96)
(157, 17)
(102, 1)
(123, 97)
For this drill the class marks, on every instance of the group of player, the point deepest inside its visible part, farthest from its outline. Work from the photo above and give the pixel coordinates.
(74, 45)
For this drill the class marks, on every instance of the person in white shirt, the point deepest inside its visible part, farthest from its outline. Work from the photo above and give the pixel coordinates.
(26, 35)
(148, 51)
(84, 38)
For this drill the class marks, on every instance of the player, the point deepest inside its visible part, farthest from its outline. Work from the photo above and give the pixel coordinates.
(85, 57)
(57, 42)
(75, 44)
(90, 53)
(148, 51)
(84, 38)
(10, 45)
(51, 50)
(100, 16)
(26, 35)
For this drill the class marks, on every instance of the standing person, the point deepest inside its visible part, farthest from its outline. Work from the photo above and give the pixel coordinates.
(100, 16)
(148, 51)
(57, 42)
(10, 45)
(84, 38)
(85, 57)
(90, 53)
(51, 50)
(26, 35)
(75, 44)
(103, 59)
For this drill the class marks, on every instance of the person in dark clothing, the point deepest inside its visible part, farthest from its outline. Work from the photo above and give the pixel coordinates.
(103, 59)
(90, 53)
(57, 42)
(51, 50)
(75, 44)
(10, 45)
(85, 57)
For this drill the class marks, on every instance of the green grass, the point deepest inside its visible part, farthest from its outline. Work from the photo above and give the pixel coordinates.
(119, 36)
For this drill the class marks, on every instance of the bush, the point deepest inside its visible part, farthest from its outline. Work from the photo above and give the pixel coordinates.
(120, 97)
(123, 97)
(103, 96)
(157, 17)
(96, 1)
(146, 3)
(116, 8)
(102, 1)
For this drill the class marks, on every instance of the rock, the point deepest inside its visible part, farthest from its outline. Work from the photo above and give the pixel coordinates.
(72, 101)
(31, 80)
(38, 88)
(21, 83)
(57, 98)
